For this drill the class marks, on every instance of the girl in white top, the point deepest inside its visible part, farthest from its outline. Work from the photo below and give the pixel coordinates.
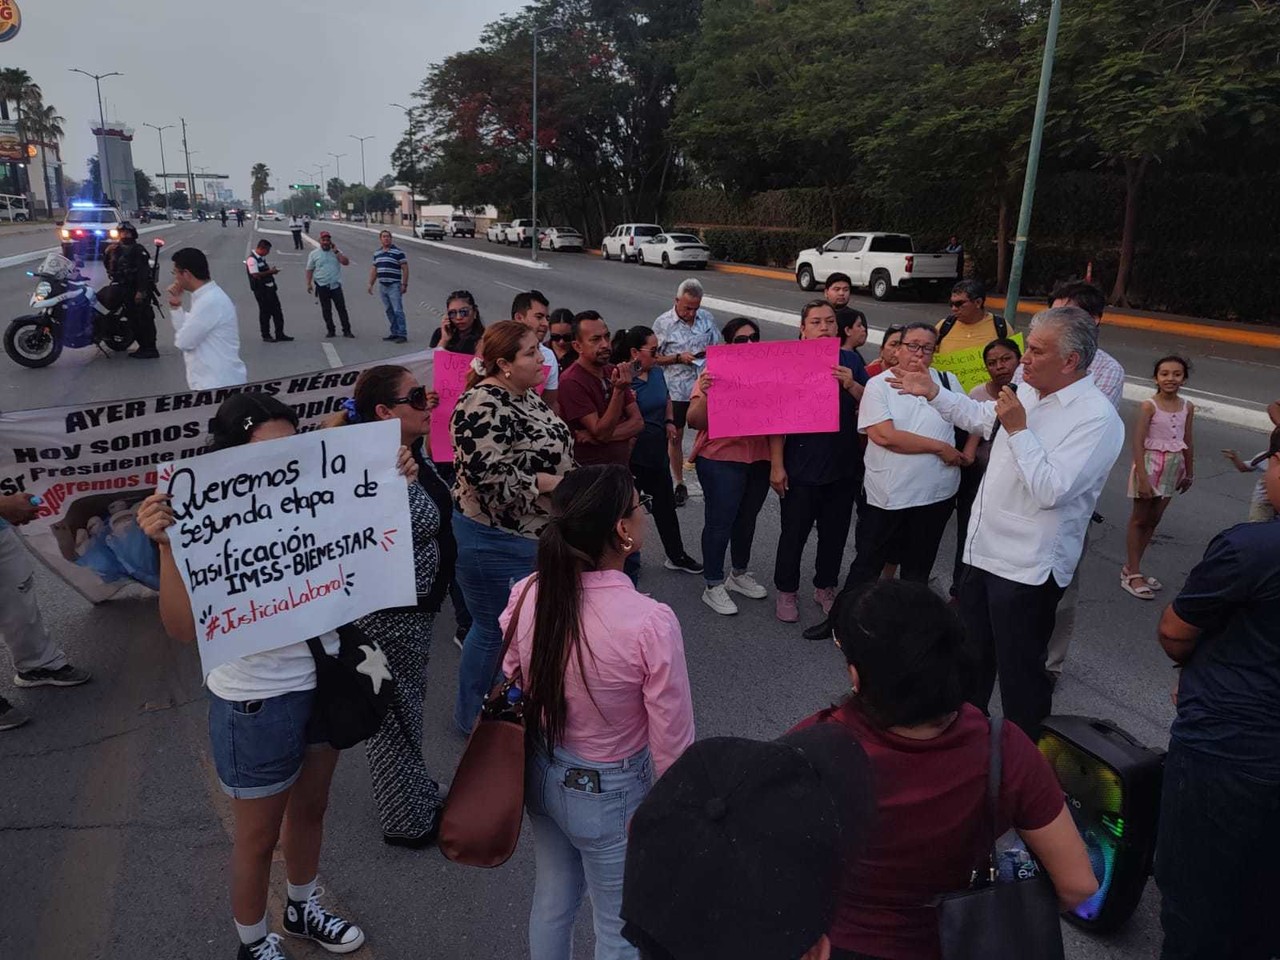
(270, 759)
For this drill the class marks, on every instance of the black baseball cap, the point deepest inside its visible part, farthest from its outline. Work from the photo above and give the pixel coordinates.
(738, 851)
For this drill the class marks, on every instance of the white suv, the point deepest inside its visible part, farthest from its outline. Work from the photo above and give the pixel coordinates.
(624, 239)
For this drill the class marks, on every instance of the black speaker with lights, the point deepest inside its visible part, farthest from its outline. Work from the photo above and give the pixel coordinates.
(1112, 788)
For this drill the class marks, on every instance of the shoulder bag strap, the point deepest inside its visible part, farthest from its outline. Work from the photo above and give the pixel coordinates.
(995, 775)
(316, 648)
(511, 626)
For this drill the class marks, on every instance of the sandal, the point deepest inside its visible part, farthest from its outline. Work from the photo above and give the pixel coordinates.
(1153, 583)
(1142, 591)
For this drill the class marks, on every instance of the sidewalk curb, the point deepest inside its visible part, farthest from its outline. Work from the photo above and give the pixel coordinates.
(435, 245)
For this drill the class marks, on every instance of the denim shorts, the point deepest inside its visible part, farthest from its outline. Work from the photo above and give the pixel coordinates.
(259, 745)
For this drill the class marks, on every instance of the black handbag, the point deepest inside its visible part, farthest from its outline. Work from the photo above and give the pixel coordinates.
(993, 920)
(353, 689)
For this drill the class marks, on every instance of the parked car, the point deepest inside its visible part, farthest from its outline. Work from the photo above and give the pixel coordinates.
(430, 230)
(883, 262)
(14, 207)
(158, 213)
(497, 232)
(561, 238)
(89, 229)
(460, 226)
(674, 249)
(624, 239)
(520, 233)
(180, 215)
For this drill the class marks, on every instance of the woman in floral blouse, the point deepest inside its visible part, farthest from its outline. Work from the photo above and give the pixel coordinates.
(510, 452)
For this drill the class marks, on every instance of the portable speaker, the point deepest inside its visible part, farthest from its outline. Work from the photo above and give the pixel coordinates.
(1112, 787)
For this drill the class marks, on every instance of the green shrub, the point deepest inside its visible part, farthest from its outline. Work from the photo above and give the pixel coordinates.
(768, 248)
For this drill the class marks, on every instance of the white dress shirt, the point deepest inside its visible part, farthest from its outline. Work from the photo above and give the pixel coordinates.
(1107, 374)
(1037, 497)
(209, 337)
(896, 481)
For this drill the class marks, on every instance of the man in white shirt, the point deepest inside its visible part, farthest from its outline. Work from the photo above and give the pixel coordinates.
(208, 334)
(1048, 465)
(533, 310)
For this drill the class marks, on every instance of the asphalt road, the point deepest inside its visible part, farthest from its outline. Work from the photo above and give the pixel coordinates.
(113, 833)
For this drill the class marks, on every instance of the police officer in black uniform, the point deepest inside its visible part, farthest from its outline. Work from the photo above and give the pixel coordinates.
(262, 280)
(128, 267)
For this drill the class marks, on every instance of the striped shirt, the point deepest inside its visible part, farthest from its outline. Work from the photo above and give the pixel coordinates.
(388, 263)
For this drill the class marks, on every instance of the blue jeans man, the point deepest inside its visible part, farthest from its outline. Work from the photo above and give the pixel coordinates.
(393, 304)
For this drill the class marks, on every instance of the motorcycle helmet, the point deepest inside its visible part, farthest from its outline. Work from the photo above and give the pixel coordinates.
(129, 228)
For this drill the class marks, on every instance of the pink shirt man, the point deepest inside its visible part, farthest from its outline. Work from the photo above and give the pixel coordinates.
(639, 684)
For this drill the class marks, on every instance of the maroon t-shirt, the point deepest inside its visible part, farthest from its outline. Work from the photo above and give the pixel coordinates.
(931, 800)
(583, 393)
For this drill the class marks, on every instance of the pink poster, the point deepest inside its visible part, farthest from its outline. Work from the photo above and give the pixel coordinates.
(450, 373)
(778, 387)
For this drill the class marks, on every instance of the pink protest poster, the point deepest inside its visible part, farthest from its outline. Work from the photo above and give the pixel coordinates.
(450, 378)
(780, 387)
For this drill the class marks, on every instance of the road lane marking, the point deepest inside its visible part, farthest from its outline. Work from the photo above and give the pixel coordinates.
(437, 245)
(509, 286)
(331, 352)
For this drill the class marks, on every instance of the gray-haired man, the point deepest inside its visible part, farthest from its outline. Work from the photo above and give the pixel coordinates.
(684, 332)
(1048, 466)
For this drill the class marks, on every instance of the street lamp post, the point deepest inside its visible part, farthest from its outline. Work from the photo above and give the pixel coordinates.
(191, 192)
(413, 170)
(164, 170)
(103, 166)
(533, 143)
(363, 183)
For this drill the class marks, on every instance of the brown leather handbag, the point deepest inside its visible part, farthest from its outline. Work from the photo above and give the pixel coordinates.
(480, 825)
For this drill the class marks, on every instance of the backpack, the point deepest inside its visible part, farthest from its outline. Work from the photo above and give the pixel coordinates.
(1002, 328)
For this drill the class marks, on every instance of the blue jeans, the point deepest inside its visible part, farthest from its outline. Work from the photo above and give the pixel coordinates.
(733, 493)
(393, 303)
(490, 561)
(1217, 860)
(259, 746)
(580, 843)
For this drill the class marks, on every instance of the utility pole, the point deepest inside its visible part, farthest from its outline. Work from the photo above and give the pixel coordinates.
(191, 184)
(363, 182)
(533, 193)
(337, 162)
(103, 166)
(413, 170)
(164, 174)
(1033, 164)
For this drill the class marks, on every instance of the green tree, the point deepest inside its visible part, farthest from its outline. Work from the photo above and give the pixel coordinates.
(334, 189)
(16, 86)
(260, 184)
(44, 126)
(144, 187)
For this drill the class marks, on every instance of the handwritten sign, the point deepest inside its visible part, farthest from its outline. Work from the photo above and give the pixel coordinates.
(967, 366)
(450, 372)
(773, 388)
(280, 541)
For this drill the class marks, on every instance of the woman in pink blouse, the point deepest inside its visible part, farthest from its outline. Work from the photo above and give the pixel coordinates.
(606, 701)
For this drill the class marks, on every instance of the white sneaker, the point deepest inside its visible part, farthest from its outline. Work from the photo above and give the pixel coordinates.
(746, 585)
(718, 600)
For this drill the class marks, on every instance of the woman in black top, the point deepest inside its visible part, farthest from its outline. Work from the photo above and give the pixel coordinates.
(462, 327)
(407, 797)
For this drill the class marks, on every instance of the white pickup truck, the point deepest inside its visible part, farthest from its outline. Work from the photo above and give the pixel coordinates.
(883, 262)
(520, 233)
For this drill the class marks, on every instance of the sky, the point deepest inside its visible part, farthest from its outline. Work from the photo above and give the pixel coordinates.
(284, 82)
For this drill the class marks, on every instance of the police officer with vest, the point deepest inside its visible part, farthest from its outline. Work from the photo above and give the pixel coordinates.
(128, 267)
(262, 280)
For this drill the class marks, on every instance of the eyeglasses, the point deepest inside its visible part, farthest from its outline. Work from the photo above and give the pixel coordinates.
(561, 338)
(746, 338)
(645, 501)
(960, 303)
(921, 348)
(460, 314)
(416, 398)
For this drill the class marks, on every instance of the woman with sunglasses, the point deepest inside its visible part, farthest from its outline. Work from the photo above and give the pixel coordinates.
(560, 337)
(889, 347)
(607, 704)
(510, 452)
(270, 759)
(407, 798)
(462, 328)
(734, 473)
(650, 464)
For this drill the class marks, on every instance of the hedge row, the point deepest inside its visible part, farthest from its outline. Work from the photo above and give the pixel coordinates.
(769, 248)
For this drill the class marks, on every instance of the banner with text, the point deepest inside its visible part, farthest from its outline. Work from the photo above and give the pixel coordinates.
(93, 463)
(967, 366)
(450, 372)
(779, 387)
(284, 540)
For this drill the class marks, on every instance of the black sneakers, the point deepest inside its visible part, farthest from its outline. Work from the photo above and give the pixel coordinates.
(268, 948)
(684, 564)
(282, 338)
(682, 494)
(310, 921)
(65, 676)
(10, 716)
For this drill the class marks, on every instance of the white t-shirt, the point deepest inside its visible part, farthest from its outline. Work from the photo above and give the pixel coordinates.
(273, 673)
(895, 481)
(553, 375)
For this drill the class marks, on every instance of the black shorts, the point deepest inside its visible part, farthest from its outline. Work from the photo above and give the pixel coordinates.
(680, 413)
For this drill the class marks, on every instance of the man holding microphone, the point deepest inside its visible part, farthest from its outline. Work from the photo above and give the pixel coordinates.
(324, 276)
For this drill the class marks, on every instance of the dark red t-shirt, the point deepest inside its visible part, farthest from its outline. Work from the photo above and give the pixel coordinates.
(582, 393)
(931, 805)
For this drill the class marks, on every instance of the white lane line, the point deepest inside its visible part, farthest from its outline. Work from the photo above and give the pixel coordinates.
(509, 286)
(429, 260)
(331, 352)
(435, 244)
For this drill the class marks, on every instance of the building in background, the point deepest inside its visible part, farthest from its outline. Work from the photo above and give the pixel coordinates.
(115, 144)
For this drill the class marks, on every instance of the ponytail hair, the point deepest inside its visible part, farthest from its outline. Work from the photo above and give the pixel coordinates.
(500, 342)
(585, 510)
(626, 340)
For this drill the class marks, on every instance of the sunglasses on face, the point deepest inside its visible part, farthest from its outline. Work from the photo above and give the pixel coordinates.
(561, 338)
(460, 314)
(416, 398)
(746, 338)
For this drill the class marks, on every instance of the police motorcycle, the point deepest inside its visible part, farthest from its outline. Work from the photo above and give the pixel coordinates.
(69, 313)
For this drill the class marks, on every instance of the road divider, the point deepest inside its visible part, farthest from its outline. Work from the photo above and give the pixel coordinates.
(437, 245)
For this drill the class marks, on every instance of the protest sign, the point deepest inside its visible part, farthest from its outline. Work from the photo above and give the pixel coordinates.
(93, 463)
(450, 372)
(283, 540)
(967, 366)
(773, 388)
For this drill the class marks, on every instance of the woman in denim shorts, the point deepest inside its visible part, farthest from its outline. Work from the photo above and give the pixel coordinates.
(274, 767)
(608, 706)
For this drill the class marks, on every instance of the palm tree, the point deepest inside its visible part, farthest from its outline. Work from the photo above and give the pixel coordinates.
(44, 125)
(16, 85)
(261, 183)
